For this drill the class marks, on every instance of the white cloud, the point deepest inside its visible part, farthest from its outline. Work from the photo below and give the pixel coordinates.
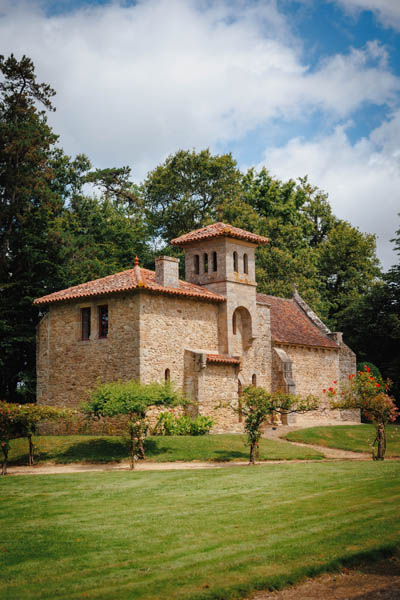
(387, 11)
(136, 83)
(363, 180)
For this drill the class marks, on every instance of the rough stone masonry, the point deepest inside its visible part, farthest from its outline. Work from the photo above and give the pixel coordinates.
(210, 335)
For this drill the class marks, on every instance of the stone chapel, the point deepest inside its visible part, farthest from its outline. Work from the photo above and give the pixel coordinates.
(211, 334)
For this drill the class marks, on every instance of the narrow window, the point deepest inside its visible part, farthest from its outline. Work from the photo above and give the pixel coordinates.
(205, 258)
(254, 380)
(234, 323)
(235, 262)
(103, 321)
(245, 263)
(167, 375)
(215, 263)
(196, 264)
(85, 323)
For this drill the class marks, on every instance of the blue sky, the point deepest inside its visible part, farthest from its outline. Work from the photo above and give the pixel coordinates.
(299, 86)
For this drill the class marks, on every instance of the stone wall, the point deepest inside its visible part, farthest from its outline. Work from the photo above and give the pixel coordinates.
(315, 369)
(224, 249)
(43, 358)
(169, 325)
(218, 396)
(347, 362)
(256, 357)
(68, 366)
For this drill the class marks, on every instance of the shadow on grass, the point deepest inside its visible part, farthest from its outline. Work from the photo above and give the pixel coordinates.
(152, 448)
(227, 455)
(100, 450)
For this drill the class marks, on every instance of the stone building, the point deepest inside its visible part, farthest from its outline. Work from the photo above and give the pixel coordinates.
(211, 334)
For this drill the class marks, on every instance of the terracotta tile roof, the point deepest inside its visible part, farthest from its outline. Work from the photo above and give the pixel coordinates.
(219, 358)
(218, 230)
(131, 279)
(290, 325)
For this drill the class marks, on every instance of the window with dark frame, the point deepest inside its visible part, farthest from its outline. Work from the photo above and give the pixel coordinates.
(85, 323)
(196, 264)
(235, 262)
(245, 264)
(103, 321)
(205, 258)
(167, 375)
(254, 380)
(215, 262)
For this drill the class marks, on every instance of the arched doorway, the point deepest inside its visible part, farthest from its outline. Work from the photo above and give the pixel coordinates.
(241, 330)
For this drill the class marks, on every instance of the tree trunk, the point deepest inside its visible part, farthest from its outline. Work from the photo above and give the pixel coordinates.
(140, 448)
(252, 453)
(31, 449)
(381, 442)
(132, 450)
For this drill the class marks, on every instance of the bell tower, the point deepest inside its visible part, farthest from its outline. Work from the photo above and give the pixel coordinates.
(221, 258)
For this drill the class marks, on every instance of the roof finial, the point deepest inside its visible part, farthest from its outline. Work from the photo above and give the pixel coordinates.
(137, 272)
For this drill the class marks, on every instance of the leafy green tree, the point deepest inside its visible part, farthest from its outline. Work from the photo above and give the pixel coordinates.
(51, 235)
(258, 406)
(18, 420)
(186, 191)
(372, 324)
(133, 399)
(296, 217)
(348, 268)
(115, 184)
(29, 204)
(101, 236)
(369, 394)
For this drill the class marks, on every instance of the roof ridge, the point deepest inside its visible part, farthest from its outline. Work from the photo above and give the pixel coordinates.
(127, 280)
(291, 325)
(217, 230)
(275, 297)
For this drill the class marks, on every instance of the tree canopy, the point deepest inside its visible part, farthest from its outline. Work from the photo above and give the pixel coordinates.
(133, 399)
(63, 222)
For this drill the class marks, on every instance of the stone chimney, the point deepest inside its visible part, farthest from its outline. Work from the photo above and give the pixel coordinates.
(167, 271)
(336, 336)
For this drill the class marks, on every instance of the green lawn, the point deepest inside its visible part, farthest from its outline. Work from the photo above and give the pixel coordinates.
(348, 437)
(85, 448)
(183, 534)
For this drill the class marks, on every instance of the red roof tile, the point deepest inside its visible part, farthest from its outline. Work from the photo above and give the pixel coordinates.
(290, 325)
(127, 281)
(218, 230)
(219, 358)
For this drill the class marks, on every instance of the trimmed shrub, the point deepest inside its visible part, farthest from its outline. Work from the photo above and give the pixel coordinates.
(169, 424)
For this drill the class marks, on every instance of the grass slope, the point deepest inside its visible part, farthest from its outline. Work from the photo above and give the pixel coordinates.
(80, 448)
(198, 535)
(357, 438)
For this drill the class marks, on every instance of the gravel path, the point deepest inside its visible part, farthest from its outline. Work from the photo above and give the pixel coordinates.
(49, 468)
(270, 433)
(278, 433)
